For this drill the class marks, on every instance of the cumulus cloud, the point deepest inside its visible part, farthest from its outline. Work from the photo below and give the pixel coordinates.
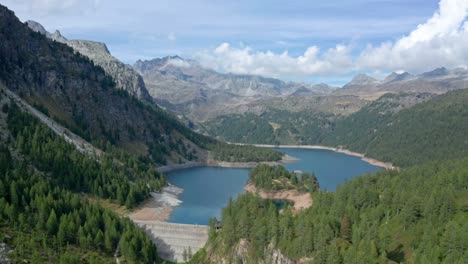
(245, 60)
(441, 41)
(178, 63)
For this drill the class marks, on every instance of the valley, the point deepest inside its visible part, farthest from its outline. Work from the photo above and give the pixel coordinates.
(228, 156)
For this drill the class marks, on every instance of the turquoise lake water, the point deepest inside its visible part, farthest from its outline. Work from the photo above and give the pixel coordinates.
(207, 189)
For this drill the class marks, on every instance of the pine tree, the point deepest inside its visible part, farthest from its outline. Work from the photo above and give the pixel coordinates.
(99, 239)
(52, 223)
(345, 228)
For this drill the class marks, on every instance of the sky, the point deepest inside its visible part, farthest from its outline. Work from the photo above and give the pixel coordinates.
(307, 41)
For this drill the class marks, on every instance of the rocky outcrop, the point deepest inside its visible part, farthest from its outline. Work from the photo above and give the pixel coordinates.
(189, 88)
(4, 251)
(71, 90)
(272, 256)
(125, 76)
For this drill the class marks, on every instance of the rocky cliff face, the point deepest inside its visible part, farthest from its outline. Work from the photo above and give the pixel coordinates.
(84, 98)
(200, 93)
(241, 255)
(125, 76)
(4, 251)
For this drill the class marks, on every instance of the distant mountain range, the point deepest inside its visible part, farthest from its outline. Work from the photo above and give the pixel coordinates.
(185, 86)
(438, 81)
(200, 94)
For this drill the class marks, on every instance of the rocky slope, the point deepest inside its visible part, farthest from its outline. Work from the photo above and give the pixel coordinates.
(69, 88)
(437, 81)
(125, 77)
(200, 93)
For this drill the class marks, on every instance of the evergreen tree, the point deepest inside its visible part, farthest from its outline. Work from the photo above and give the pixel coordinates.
(52, 223)
(345, 228)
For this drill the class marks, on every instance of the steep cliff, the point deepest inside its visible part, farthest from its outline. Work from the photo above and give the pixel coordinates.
(80, 95)
(125, 77)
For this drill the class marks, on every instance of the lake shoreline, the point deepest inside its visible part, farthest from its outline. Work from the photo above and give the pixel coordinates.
(223, 164)
(159, 206)
(385, 165)
(300, 200)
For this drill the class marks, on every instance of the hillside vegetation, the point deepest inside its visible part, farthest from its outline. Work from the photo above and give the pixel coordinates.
(71, 89)
(43, 213)
(267, 177)
(388, 129)
(417, 215)
(432, 130)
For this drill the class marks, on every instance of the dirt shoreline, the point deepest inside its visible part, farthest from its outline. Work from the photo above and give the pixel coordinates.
(386, 165)
(159, 206)
(301, 200)
(224, 164)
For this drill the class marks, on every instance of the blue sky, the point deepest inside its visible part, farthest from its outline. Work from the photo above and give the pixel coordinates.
(325, 41)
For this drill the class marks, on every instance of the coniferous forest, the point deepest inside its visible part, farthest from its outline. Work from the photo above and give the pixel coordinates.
(44, 210)
(58, 203)
(416, 215)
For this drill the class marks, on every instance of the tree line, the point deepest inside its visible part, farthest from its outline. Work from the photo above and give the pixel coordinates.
(416, 215)
(115, 175)
(268, 177)
(44, 217)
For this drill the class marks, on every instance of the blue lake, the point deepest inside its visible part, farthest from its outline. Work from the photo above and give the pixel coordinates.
(207, 189)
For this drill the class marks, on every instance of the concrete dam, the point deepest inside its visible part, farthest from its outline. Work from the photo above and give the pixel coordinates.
(172, 239)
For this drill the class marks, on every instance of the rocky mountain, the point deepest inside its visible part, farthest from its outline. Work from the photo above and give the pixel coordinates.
(69, 88)
(437, 81)
(187, 87)
(125, 76)
(396, 77)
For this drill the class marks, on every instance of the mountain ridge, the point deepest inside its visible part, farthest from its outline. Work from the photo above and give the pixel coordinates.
(125, 76)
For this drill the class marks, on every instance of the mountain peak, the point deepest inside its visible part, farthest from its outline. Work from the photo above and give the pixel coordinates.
(37, 27)
(362, 79)
(396, 77)
(436, 73)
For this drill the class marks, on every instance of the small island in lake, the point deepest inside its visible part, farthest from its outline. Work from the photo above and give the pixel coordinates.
(277, 183)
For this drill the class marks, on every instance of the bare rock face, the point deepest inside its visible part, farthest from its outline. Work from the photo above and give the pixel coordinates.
(125, 76)
(83, 97)
(185, 86)
(4, 251)
(273, 256)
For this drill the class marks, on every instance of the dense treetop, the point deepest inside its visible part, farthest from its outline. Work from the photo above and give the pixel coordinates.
(417, 215)
(268, 177)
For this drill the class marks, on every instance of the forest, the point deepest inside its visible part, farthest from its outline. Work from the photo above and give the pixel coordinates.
(243, 153)
(268, 177)
(118, 176)
(44, 214)
(430, 130)
(416, 215)
(83, 98)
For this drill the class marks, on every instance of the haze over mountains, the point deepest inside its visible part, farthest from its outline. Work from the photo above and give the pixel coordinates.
(201, 94)
(185, 86)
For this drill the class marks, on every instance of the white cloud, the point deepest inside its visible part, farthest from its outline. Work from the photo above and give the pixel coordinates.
(178, 63)
(441, 41)
(245, 60)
